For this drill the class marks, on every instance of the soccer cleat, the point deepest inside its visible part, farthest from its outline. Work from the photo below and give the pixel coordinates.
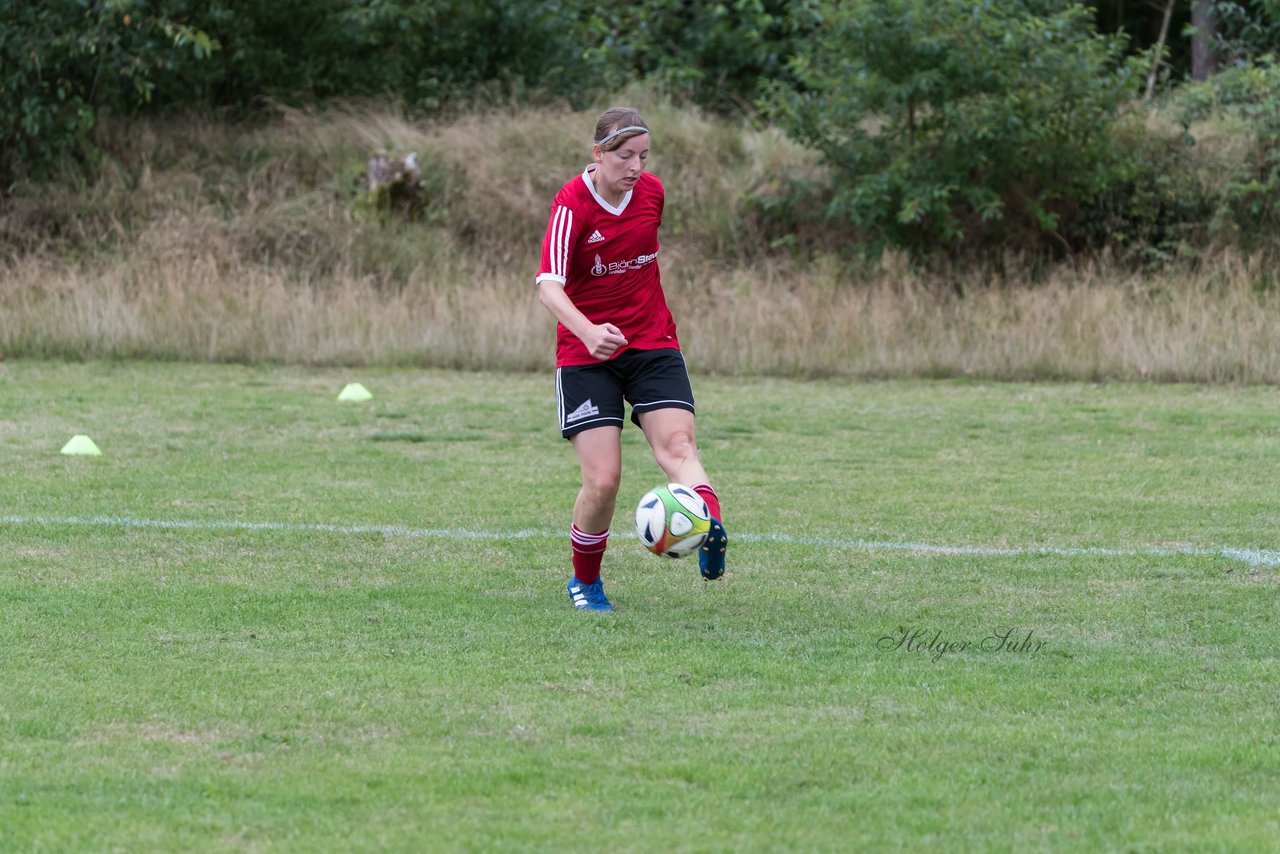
(588, 597)
(711, 555)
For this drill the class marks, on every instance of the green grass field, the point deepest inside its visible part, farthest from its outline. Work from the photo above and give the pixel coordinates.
(264, 620)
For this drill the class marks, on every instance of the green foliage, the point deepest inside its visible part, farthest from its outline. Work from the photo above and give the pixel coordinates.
(1248, 95)
(432, 52)
(949, 124)
(713, 53)
(66, 60)
(1158, 207)
(946, 126)
(425, 53)
(1246, 30)
(62, 61)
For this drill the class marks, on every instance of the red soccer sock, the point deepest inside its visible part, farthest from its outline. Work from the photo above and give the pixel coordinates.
(709, 495)
(588, 552)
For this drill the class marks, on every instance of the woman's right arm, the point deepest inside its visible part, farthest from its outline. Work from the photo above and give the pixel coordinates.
(602, 340)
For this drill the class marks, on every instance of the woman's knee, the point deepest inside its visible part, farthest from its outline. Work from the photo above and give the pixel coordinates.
(600, 460)
(602, 482)
(676, 446)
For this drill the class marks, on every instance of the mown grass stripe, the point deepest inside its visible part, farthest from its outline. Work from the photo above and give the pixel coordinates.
(1251, 557)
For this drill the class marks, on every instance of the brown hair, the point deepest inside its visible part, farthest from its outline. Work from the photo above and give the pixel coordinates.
(619, 117)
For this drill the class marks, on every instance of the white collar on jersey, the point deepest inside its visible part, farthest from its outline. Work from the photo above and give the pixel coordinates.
(622, 206)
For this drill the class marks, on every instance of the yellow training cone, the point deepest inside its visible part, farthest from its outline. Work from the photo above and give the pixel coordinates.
(82, 446)
(356, 392)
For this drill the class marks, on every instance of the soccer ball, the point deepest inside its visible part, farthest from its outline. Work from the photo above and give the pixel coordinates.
(672, 520)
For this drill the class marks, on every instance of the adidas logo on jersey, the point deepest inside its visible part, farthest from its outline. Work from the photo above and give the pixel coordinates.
(586, 410)
(595, 237)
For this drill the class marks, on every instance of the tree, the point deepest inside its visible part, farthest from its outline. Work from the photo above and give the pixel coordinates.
(1204, 38)
(950, 123)
(62, 61)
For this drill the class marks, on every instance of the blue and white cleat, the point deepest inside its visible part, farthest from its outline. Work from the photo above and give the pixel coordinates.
(711, 554)
(588, 597)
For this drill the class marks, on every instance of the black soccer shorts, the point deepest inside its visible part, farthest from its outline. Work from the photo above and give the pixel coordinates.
(592, 395)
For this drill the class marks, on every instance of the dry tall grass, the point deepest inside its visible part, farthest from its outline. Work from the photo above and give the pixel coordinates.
(207, 242)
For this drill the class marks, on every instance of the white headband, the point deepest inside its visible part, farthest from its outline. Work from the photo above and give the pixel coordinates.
(621, 131)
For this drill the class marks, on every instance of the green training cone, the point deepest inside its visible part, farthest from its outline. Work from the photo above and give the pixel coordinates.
(81, 445)
(356, 392)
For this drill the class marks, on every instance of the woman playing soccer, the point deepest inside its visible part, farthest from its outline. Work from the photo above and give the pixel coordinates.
(616, 341)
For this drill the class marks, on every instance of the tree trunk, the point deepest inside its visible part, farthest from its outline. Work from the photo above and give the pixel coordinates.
(1158, 56)
(1204, 42)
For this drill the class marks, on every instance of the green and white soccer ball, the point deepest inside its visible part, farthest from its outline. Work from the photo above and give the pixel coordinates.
(672, 520)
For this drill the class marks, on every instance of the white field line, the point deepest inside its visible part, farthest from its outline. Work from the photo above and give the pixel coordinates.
(1251, 557)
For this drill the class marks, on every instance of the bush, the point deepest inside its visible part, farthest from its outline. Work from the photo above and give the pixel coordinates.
(425, 54)
(956, 126)
(1159, 204)
(713, 54)
(63, 61)
(1247, 95)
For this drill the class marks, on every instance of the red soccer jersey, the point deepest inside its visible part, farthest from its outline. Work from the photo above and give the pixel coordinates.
(607, 260)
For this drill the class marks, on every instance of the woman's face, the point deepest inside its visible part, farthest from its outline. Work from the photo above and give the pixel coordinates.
(618, 170)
